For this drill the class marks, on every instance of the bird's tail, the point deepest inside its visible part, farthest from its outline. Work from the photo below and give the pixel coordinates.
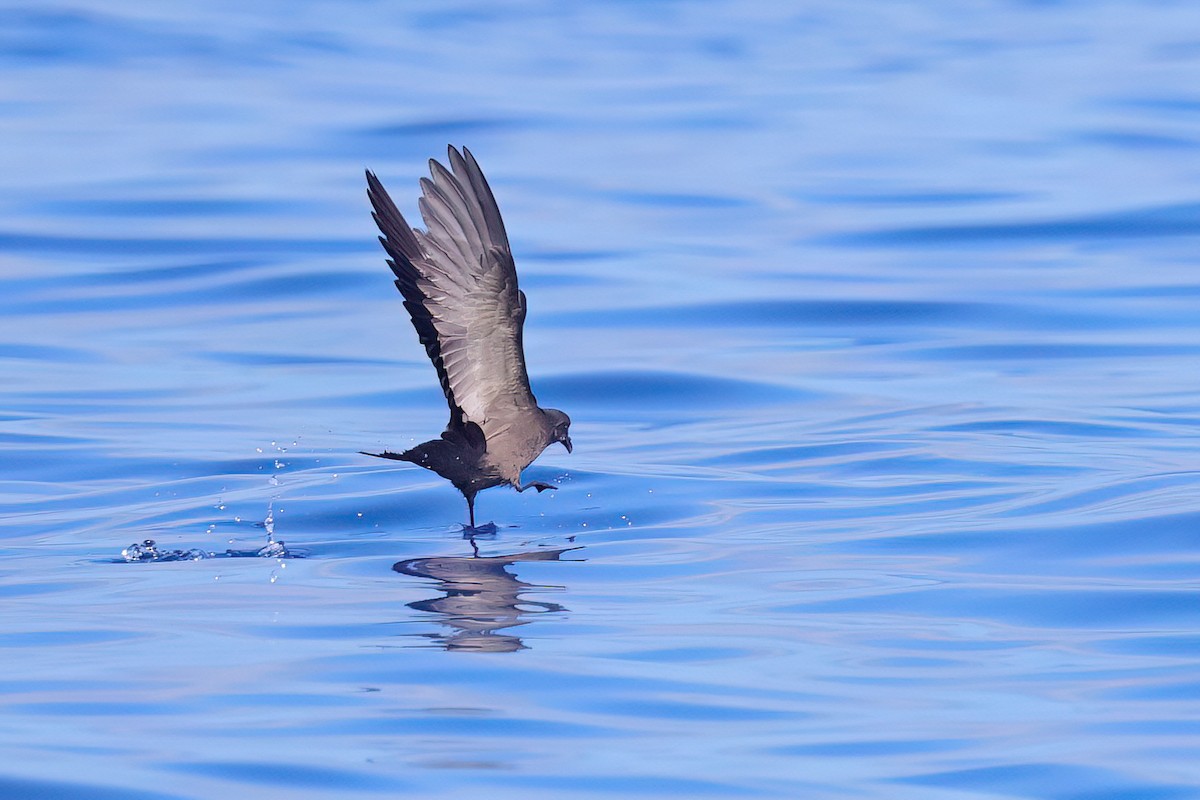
(405, 456)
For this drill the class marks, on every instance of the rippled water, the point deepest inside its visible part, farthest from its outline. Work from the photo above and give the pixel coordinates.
(878, 324)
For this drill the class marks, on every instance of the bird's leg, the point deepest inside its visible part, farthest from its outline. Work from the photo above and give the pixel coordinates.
(488, 529)
(541, 487)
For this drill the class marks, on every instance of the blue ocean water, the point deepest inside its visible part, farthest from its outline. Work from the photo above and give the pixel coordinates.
(880, 329)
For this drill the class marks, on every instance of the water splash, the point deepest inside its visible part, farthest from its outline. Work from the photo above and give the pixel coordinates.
(147, 550)
(273, 549)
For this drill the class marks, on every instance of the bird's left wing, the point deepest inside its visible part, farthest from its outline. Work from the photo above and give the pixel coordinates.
(460, 287)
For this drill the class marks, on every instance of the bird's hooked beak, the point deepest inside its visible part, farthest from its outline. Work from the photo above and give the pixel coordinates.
(566, 442)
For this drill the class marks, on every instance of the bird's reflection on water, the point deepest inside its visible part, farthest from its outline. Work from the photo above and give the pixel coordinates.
(481, 597)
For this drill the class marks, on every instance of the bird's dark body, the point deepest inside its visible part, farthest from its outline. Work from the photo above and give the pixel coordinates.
(459, 456)
(459, 285)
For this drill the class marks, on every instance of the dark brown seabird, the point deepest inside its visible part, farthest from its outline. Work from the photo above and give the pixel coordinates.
(459, 284)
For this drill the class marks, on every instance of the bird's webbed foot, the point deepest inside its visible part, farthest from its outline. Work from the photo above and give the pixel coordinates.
(485, 531)
(541, 487)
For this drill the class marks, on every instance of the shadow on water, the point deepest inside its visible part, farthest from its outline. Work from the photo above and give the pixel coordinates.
(480, 597)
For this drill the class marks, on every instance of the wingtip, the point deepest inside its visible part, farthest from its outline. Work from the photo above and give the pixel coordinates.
(469, 157)
(374, 186)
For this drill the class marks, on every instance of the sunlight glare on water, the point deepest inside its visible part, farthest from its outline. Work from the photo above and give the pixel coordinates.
(878, 325)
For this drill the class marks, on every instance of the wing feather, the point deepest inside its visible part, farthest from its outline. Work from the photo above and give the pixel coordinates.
(459, 284)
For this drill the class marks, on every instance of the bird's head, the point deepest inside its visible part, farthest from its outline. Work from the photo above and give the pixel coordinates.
(560, 425)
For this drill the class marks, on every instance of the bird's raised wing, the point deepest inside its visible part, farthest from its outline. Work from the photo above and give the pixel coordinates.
(460, 286)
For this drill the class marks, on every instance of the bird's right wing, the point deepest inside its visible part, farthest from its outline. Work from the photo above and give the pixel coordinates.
(460, 286)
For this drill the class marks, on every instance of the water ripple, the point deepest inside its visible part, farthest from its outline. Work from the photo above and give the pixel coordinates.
(1152, 222)
(885, 404)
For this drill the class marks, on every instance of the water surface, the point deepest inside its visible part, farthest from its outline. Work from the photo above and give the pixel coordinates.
(879, 326)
